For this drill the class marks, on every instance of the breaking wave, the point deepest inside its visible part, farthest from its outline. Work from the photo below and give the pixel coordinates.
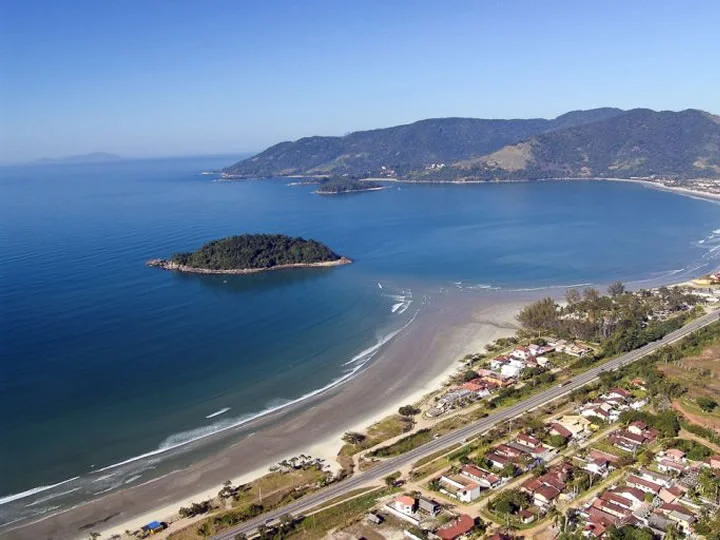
(35, 491)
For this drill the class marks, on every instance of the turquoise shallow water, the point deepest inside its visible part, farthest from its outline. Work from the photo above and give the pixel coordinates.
(104, 360)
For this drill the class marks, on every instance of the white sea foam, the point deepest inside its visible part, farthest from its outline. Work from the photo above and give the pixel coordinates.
(103, 477)
(51, 497)
(132, 478)
(34, 491)
(179, 440)
(572, 285)
(182, 439)
(368, 353)
(397, 306)
(479, 286)
(218, 413)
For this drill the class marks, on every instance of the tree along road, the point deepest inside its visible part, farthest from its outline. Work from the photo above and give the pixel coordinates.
(389, 466)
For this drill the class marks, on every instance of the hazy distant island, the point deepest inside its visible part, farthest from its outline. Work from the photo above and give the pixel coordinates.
(338, 186)
(95, 157)
(593, 144)
(251, 253)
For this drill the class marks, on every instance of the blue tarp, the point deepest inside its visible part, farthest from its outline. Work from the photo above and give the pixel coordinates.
(153, 525)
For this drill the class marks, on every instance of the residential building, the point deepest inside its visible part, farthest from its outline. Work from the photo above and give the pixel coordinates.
(459, 487)
(484, 478)
(456, 529)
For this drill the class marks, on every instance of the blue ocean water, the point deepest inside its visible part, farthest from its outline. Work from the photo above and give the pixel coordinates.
(103, 360)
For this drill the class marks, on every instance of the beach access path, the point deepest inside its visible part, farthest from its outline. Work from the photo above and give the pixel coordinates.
(361, 479)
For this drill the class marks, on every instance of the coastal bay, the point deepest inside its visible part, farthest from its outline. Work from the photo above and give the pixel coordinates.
(411, 366)
(262, 343)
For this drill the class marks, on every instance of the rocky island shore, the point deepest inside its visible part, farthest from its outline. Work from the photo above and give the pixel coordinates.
(252, 253)
(169, 264)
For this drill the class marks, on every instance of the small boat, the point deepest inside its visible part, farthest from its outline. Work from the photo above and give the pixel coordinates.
(379, 285)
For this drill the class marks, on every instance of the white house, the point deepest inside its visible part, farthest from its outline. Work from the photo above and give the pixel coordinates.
(522, 353)
(497, 363)
(461, 488)
(404, 504)
(511, 370)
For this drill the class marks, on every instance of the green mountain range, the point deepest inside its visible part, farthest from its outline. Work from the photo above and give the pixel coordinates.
(597, 143)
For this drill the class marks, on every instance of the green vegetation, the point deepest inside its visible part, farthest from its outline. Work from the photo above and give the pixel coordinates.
(400, 150)
(705, 433)
(385, 429)
(195, 509)
(706, 404)
(338, 516)
(588, 144)
(405, 444)
(709, 526)
(666, 422)
(620, 322)
(408, 410)
(510, 502)
(336, 186)
(255, 251)
(629, 532)
(277, 489)
(693, 449)
(391, 479)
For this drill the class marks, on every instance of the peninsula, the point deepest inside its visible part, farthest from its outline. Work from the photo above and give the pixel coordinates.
(252, 253)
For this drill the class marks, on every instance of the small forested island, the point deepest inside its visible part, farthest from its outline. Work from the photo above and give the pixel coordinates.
(250, 253)
(337, 186)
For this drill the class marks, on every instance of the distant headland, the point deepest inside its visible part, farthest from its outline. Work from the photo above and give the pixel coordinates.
(593, 144)
(252, 253)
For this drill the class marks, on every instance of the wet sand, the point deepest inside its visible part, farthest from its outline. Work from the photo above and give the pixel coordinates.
(413, 364)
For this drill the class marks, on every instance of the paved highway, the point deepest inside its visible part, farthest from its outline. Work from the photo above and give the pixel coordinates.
(388, 466)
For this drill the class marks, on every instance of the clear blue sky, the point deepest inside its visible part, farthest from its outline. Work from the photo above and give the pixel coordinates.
(153, 77)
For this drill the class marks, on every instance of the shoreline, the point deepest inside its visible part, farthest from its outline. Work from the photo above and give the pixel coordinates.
(657, 185)
(318, 192)
(167, 264)
(417, 362)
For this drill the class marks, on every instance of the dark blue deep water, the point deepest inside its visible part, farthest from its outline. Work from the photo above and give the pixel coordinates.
(103, 359)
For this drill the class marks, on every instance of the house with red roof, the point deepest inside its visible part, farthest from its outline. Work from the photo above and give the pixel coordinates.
(484, 478)
(456, 529)
(546, 488)
(405, 504)
(637, 427)
(528, 440)
(620, 393)
(634, 494)
(643, 485)
(557, 429)
(675, 454)
(671, 466)
(671, 494)
(545, 495)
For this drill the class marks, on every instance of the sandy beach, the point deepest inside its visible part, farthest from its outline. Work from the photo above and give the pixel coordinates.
(416, 362)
